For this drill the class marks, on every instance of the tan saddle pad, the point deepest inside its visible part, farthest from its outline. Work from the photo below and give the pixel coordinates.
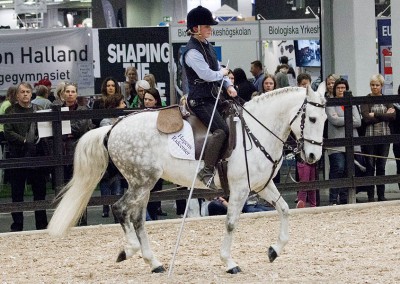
(169, 119)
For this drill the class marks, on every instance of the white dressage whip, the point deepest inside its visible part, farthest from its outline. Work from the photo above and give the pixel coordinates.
(171, 266)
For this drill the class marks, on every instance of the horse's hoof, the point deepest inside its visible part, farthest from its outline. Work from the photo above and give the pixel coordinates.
(159, 269)
(234, 270)
(272, 254)
(121, 256)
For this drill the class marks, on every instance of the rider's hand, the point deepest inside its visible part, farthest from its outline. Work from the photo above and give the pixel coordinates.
(224, 71)
(231, 91)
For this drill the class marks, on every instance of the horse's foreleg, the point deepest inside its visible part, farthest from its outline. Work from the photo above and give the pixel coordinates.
(272, 195)
(236, 202)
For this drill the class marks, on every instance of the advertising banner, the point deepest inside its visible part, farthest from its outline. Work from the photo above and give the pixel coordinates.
(147, 49)
(59, 55)
(385, 53)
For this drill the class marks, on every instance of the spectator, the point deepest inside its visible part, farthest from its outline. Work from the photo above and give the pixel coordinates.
(306, 172)
(78, 128)
(395, 130)
(46, 82)
(110, 184)
(11, 98)
(42, 93)
(151, 80)
(23, 142)
(152, 99)
(336, 129)
(291, 73)
(256, 69)
(108, 87)
(281, 76)
(141, 87)
(59, 95)
(218, 206)
(269, 84)
(231, 76)
(129, 84)
(377, 118)
(329, 83)
(244, 88)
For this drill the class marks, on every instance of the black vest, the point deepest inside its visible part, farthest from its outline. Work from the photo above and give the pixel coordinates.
(199, 88)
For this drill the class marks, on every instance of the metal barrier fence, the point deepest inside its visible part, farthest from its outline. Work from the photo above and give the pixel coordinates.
(58, 160)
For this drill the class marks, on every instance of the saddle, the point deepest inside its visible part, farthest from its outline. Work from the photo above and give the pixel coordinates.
(174, 114)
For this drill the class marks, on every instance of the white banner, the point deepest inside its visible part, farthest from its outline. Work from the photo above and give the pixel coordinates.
(249, 31)
(59, 55)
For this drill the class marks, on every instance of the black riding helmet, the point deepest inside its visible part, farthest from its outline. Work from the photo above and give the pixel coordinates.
(200, 16)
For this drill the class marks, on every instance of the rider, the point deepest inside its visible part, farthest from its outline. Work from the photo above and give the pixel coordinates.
(203, 70)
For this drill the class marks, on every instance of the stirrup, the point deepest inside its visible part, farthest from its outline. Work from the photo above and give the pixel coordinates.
(207, 178)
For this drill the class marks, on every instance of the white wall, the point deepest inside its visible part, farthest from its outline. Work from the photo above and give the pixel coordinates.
(395, 8)
(7, 18)
(354, 41)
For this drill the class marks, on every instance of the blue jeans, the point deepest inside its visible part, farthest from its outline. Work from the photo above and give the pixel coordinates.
(337, 164)
(113, 188)
(256, 208)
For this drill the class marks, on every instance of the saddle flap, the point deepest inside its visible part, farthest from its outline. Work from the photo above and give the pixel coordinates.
(169, 119)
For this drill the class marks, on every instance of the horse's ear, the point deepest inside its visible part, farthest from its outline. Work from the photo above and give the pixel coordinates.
(309, 91)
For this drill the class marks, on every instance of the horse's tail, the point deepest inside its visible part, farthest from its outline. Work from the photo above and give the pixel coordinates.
(90, 164)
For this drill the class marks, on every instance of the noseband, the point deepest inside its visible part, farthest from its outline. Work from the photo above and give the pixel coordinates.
(300, 141)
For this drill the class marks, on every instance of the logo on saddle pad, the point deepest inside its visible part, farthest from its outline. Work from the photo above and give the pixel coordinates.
(181, 143)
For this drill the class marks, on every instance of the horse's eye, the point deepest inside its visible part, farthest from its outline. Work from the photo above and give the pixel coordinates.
(313, 119)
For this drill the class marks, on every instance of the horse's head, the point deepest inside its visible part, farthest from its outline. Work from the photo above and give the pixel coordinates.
(308, 126)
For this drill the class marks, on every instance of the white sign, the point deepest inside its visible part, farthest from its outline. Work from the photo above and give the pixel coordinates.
(181, 143)
(222, 31)
(27, 7)
(45, 128)
(270, 30)
(294, 29)
(60, 55)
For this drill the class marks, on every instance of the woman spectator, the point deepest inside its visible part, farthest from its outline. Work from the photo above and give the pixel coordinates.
(108, 87)
(269, 84)
(141, 87)
(111, 185)
(329, 83)
(129, 84)
(152, 99)
(336, 129)
(376, 118)
(151, 80)
(78, 128)
(243, 86)
(395, 130)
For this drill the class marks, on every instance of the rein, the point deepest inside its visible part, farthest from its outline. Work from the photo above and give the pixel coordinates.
(299, 142)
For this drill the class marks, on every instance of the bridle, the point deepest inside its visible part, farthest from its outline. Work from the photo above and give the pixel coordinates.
(300, 141)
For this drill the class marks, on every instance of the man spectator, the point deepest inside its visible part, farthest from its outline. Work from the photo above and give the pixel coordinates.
(23, 142)
(257, 70)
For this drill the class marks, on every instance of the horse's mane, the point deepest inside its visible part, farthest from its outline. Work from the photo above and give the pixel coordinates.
(278, 92)
(274, 93)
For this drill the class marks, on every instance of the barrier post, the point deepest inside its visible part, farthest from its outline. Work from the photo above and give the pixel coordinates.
(58, 178)
(348, 118)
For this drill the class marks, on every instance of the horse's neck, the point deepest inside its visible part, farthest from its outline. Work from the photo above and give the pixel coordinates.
(275, 111)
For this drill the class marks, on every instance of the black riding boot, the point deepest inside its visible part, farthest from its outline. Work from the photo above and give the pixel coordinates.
(211, 156)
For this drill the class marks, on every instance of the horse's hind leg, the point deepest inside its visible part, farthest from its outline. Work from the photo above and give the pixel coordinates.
(236, 202)
(131, 212)
(272, 195)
